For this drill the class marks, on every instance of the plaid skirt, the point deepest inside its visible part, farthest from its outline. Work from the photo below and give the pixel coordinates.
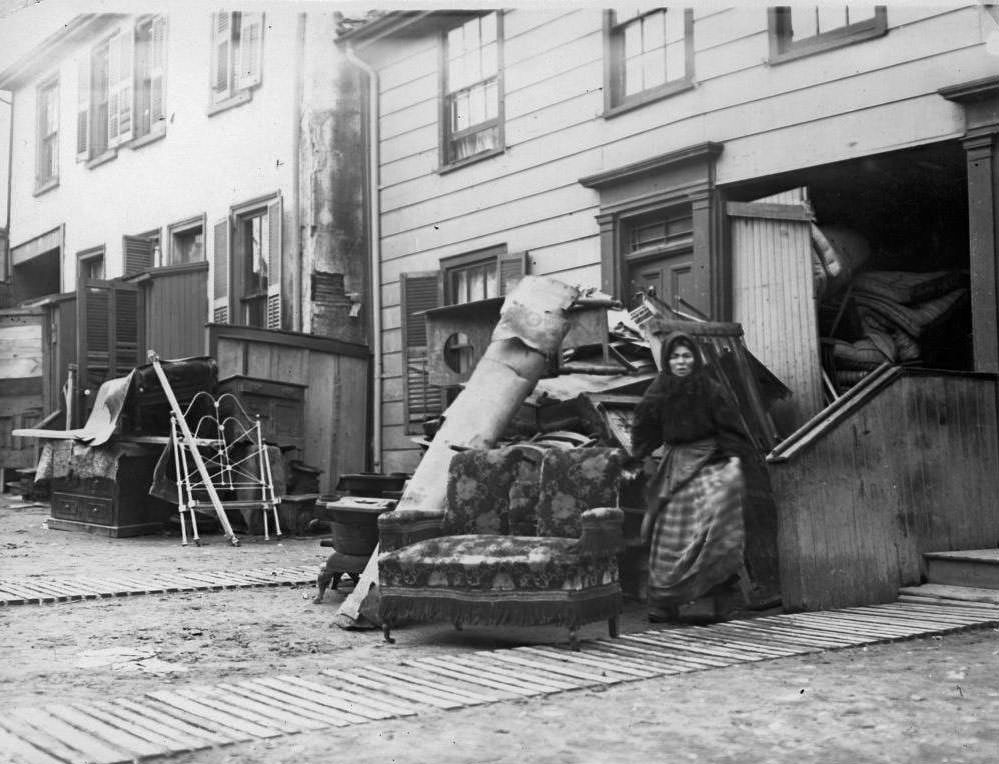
(699, 536)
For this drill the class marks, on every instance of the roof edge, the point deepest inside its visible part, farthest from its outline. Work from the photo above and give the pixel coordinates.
(42, 54)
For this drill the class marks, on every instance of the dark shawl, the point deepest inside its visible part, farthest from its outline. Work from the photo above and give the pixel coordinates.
(683, 410)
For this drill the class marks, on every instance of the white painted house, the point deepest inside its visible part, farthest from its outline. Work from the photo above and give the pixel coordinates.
(622, 149)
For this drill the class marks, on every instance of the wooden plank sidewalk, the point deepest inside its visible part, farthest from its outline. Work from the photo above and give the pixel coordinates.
(189, 718)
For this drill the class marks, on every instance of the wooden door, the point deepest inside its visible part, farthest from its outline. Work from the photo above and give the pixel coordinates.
(669, 278)
(773, 299)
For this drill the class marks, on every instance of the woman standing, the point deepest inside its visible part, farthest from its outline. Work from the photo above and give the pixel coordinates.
(693, 518)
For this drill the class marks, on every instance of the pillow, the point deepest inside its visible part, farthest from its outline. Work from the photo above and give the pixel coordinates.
(906, 287)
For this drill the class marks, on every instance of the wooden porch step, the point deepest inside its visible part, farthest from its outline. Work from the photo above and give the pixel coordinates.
(977, 568)
(937, 592)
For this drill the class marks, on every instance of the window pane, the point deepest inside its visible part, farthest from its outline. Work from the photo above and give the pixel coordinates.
(632, 76)
(676, 61)
(804, 22)
(477, 284)
(473, 66)
(489, 64)
(633, 39)
(460, 292)
(455, 42)
(488, 28)
(492, 100)
(654, 69)
(653, 30)
(473, 144)
(492, 281)
(456, 74)
(477, 105)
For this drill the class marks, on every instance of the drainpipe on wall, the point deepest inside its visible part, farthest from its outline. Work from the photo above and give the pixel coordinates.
(374, 210)
(298, 309)
(7, 268)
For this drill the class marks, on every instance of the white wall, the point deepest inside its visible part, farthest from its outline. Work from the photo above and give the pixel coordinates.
(203, 165)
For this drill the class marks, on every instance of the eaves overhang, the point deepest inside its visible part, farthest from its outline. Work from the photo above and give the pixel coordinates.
(402, 24)
(54, 47)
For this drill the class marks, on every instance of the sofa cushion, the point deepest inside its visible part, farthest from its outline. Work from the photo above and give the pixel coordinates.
(478, 491)
(496, 563)
(573, 481)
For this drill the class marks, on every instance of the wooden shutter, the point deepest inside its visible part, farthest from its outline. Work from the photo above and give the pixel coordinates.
(138, 254)
(83, 108)
(510, 267)
(121, 49)
(157, 74)
(419, 292)
(251, 36)
(274, 264)
(221, 56)
(220, 268)
(109, 342)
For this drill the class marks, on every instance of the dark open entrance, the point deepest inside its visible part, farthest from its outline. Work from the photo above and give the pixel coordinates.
(907, 214)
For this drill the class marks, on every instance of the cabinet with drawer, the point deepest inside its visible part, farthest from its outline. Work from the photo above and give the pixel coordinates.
(110, 507)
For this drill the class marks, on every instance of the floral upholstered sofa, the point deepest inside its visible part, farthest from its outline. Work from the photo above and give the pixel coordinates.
(528, 537)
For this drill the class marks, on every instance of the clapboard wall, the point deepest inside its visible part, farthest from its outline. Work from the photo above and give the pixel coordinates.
(915, 469)
(872, 97)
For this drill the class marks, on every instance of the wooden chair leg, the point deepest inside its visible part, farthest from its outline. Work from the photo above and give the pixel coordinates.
(387, 632)
(612, 627)
(457, 625)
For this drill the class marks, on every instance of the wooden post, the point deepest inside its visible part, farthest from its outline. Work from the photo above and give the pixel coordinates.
(532, 324)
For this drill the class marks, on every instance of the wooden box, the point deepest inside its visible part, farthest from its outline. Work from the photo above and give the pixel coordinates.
(280, 406)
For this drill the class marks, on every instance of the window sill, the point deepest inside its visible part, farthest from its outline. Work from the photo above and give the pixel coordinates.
(807, 48)
(243, 96)
(100, 159)
(48, 185)
(145, 140)
(445, 169)
(644, 99)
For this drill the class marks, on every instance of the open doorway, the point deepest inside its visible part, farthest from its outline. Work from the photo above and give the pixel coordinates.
(888, 239)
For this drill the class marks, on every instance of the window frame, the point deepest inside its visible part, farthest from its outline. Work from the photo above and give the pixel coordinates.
(782, 48)
(466, 261)
(615, 102)
(446, 137)
(87, 256)
(43, 184)
(238, 92)
(157, 128)
(181, 227)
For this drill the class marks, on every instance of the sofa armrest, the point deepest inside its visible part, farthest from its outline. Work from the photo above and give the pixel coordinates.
(603, 531)
(403, 527)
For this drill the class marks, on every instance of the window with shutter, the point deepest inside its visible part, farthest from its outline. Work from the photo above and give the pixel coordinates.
(237, 53)
(220, 271)
(109, 335)
(138, 254)
(150, 74)
(47, 139)
(482, 274)
(422, 401)
(274, 265)
(83, 96)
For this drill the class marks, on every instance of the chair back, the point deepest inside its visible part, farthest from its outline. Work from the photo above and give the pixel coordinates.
(573, 481)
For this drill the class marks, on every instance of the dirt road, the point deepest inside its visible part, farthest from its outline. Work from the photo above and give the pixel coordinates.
(931, 700)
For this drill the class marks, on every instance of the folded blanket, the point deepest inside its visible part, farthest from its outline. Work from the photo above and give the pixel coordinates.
(906, 287)
(914, 319)
(862, 354)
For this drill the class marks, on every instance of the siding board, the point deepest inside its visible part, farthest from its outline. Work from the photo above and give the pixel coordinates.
(915, 470)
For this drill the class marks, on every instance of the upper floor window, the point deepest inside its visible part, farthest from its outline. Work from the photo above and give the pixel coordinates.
(650, 54)
(473, 276)
(121, 90)
(150, 67)
(237, 49)
(797, 31)
(473, 90)
(47, 173)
